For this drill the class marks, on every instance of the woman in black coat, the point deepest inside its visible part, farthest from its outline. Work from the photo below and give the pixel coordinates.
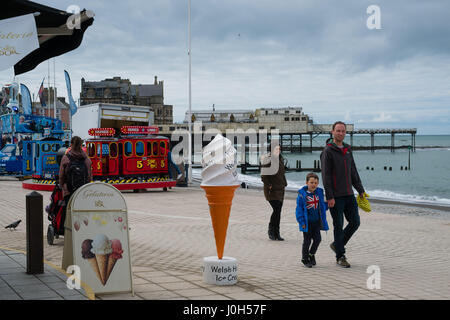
(274, 185)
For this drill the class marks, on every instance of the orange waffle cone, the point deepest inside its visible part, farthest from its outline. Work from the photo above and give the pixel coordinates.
(219, 200)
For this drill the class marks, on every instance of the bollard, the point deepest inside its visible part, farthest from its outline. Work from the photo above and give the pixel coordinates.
(35, 235)
(372, 168)
(390, 168)
(385, 167)
(367, 168)
(401, 167)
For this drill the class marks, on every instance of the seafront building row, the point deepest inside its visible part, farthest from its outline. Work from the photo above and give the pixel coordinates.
(291, 122)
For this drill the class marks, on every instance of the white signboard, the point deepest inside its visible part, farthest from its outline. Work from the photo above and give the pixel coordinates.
(18, 37)
(100, 238)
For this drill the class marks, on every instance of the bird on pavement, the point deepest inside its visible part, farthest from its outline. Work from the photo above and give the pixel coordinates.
(13, 225)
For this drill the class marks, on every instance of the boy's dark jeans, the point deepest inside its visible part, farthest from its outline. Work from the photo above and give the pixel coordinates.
(344, 206)
(314, 235)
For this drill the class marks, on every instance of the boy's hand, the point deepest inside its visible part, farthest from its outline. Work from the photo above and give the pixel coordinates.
(303, 227)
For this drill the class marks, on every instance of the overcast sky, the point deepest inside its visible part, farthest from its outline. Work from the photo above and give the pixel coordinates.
(249, 54)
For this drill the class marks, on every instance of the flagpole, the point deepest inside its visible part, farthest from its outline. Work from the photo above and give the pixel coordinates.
(54, 88)
(190, 99)
(48, 84)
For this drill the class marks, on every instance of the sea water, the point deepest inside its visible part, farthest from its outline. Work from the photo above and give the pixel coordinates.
(427, 181)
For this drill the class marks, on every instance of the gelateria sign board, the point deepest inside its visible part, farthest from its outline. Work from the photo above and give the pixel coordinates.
(18, 37)
(100, 238)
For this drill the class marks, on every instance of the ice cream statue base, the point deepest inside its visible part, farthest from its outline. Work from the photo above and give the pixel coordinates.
(219, 180)
(221, 272)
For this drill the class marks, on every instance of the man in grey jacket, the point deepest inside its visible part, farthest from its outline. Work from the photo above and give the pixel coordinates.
(339, 175)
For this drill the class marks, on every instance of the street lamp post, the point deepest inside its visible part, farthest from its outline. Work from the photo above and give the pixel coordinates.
(190, 98)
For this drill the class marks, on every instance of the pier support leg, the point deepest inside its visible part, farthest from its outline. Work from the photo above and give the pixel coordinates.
(372, 142)
(310, 142)
(292, 146)
(392, 142)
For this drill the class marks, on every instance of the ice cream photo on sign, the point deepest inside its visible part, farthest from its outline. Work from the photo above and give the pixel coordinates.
(219, 180)
(102, 255)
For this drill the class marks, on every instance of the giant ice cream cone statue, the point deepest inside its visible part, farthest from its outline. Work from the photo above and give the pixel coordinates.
(219, 180)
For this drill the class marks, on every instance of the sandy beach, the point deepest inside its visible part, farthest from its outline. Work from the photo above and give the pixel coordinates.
(171, 233)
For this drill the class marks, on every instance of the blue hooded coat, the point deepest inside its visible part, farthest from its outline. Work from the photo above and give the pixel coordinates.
(301, 212)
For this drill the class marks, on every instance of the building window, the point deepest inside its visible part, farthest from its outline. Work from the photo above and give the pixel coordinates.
(275, 112)
(172, 128)
(286, 111)
(303, 118)
(286, 119)
(262, 127)
(298, 111)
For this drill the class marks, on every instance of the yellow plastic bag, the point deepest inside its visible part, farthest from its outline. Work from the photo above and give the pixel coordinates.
(363, 203)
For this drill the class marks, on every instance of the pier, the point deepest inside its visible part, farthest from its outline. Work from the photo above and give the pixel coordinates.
(294, 141)
(287, 140)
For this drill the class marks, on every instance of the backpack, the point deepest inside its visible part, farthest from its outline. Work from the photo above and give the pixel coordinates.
(77, 173)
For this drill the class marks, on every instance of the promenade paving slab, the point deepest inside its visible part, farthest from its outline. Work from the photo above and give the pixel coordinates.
(16, 284)
(171, 233)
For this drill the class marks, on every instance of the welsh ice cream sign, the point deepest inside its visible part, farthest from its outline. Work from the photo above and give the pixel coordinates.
(18, 37)
(100, 246)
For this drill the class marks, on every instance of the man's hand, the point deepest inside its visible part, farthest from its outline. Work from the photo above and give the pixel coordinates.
(331, 203)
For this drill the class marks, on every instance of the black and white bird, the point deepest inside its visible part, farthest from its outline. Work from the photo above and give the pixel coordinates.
(13, 225)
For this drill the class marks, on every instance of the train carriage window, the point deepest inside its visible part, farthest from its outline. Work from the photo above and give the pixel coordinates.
(128, 149)
(28, 152)
(155, 148)
(113, 150)
(91, 149)
(55, 147)
(46, 147)
(163, 146)
(139, 148)
(105, 149)
(99, 150)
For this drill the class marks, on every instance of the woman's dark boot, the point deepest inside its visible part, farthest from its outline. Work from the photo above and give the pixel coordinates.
(272, 234)
(277, 235)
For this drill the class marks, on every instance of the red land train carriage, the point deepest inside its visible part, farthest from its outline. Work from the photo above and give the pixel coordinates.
(133, 160)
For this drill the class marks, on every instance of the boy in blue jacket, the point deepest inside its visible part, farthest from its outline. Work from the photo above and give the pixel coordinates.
(311, 216)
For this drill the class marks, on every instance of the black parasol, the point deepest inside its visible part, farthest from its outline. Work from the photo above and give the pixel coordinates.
(58, 31)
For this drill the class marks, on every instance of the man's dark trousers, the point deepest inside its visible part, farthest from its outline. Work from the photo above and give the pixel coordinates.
(344, 206)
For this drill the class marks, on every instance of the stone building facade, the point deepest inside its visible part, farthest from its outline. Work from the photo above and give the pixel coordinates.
(121, 91)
